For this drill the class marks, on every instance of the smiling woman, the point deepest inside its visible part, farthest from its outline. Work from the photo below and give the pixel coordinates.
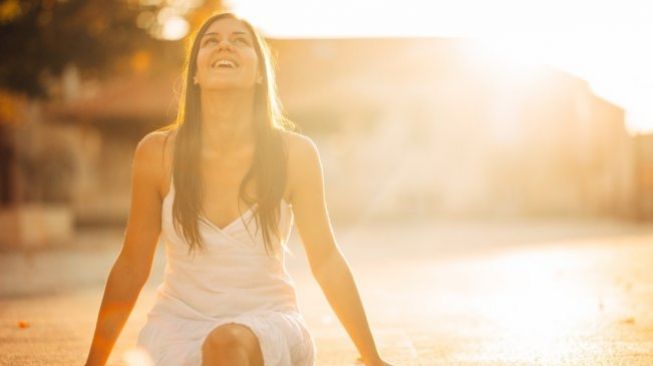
(227, 298)
(230, 118)
(241, 41)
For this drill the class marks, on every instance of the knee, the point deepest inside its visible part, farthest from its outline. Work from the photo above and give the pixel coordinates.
(229, 337)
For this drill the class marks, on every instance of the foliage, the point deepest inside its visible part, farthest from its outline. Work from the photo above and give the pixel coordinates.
(39, 38)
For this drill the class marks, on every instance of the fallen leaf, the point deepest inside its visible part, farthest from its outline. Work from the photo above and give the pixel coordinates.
(629, 320)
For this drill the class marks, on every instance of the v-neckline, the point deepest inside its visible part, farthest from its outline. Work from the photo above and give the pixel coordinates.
(171, 193)
(233, 222)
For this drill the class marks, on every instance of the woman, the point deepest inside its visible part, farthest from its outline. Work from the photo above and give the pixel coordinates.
(226, 298)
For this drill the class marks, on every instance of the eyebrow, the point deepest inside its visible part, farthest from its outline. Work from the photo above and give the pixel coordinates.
(214, 33)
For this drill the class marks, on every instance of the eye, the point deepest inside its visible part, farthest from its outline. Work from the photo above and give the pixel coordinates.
(210, 40)
(242, 40)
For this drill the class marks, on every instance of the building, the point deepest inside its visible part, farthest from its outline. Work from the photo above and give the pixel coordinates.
(406, 127)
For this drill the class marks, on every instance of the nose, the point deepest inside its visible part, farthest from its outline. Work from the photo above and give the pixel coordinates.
(225, 44)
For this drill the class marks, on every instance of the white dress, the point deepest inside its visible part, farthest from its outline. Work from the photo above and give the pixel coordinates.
(232, 281)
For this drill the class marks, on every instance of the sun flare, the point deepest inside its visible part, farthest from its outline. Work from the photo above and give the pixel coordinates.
(606, 46)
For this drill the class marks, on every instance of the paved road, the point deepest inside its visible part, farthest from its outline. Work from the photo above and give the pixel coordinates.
(436, 293)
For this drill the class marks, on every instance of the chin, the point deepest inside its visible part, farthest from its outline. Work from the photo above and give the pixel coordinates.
(228, 86)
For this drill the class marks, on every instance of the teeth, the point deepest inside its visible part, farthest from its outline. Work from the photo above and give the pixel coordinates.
(224, 63)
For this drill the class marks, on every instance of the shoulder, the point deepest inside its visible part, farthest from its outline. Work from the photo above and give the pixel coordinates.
(304, 162)
(302, 150)
(299, 144)
(151, 155)
(151, 146)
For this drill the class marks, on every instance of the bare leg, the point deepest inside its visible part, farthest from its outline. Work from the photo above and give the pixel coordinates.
(231, 344)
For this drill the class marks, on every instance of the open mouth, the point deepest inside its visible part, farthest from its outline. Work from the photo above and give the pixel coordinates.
(224, 64)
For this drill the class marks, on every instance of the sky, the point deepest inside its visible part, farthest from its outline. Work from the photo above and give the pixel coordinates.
(607, 43)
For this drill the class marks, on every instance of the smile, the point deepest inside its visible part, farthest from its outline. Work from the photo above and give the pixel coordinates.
(224, 64)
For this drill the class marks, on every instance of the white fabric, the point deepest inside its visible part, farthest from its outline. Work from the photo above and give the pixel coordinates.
(232, 281)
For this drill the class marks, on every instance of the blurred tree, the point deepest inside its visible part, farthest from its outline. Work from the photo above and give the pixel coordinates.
(39, 38)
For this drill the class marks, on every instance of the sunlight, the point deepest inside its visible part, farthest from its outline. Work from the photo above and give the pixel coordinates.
(137, 356)
(604, 43)
(598, 58)
(534, 306)
(175, 27)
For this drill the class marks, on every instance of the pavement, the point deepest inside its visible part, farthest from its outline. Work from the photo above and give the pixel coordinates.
(436, 292)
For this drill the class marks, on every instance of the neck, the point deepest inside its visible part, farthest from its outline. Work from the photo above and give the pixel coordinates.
(226, 120)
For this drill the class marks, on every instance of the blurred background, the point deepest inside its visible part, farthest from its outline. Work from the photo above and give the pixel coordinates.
(433, 119)
(416, 116)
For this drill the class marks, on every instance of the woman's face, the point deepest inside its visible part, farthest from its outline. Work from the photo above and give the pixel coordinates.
(226, 56)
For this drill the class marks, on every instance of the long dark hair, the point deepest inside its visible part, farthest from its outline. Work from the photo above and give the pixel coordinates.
(268, 168)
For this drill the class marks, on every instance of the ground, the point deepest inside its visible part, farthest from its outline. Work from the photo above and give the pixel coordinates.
(436, 292)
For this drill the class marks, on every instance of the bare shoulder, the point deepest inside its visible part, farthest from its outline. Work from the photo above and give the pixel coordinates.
(303, 153)
(150, 157)
(304, 165)
(151, 142)
(150, 147)
(299, 144)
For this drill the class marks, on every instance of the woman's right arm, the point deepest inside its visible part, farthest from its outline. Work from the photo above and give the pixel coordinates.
(132, 266)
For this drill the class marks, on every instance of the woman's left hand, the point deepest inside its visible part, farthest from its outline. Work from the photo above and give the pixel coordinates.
(377, 362)
(383, 363)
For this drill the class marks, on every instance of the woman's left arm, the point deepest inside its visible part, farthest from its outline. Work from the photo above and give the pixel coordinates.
(328, 265)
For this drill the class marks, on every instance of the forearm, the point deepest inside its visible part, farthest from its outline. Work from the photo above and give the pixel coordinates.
(120, 295)
(337, 283)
